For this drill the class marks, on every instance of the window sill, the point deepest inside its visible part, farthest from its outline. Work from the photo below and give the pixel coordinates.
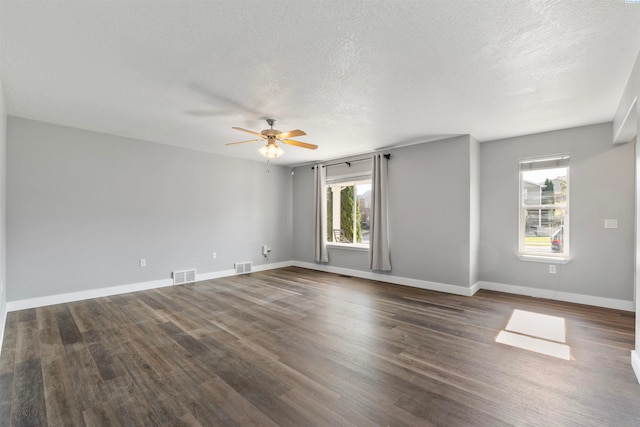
(545, 259)
(349, 246)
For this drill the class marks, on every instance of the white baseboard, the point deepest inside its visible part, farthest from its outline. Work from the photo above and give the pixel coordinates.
(88, 294)
(414, 283)
(123, 289)
(272, 266)
(559, 296)
(635, 363)
(214, 275)
(254, 268)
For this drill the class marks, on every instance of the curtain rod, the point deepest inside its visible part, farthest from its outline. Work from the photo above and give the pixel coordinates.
(386, 156)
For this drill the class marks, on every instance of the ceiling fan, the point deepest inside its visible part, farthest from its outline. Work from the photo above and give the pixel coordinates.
(272, 150)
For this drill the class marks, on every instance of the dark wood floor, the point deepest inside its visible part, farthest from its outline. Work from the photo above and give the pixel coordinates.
(295, 347)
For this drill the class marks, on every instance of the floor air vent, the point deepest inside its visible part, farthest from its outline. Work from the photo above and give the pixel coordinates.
(184, 276)
(243, 267)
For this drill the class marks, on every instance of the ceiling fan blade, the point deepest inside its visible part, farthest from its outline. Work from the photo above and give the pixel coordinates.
(300, 144)
(244, 142)
(290, 134)
(249, 131)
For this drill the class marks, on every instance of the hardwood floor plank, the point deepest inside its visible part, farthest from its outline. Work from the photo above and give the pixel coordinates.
(101, 416)
(252, 350)
(318, 411)
(438, 410)
(50, 342)
(27, 343)
(241, 410)
(133, 409)
(59, 395)
(190, 344)
(137, 311)
(114, 337)
(69, 331)
(26, 316)
(103, 357)
(110, 314)
(162, 396)
(6, 395)
(28, 404)
(85, 376)
(7, 361)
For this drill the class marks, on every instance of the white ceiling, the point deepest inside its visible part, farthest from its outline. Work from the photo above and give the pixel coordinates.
(355, 75)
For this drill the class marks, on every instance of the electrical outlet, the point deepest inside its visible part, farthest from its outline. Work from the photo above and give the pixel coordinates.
(552, 269)
(214, 256)
(265, 250)
(143, 262)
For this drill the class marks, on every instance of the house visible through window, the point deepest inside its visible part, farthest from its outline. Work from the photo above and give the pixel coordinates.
(349, 211)
(544, 207)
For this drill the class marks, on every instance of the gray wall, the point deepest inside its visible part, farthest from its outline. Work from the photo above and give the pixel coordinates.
(637, 226)
(474, 210)
(3, 210)
(601, 187)
(632, 91)
(430, 199)
(84, 207)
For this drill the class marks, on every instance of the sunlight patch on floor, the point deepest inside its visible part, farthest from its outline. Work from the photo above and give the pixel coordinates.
(537, 345)
(536, 332)
(537, 325)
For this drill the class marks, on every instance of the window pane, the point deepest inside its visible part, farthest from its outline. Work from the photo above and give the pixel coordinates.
(544, 231)
(544, 187)
(329, 214)
(364, 207)
(348, 212)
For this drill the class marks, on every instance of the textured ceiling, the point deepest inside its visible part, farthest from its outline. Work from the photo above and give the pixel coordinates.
(355, 75)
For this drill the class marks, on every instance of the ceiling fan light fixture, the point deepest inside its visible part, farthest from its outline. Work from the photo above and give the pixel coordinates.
(271, 151)
(273, 136)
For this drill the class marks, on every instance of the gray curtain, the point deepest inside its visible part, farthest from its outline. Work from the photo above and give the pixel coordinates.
(320, 222)
(379, 258)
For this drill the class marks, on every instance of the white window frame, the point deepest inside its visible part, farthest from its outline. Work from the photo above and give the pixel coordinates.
(346, 181)
(563, 160)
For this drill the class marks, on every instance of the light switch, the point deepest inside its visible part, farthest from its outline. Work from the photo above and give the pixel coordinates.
(610, 223)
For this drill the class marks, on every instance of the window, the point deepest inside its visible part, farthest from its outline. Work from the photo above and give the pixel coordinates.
(348, 211)
(544, 207)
